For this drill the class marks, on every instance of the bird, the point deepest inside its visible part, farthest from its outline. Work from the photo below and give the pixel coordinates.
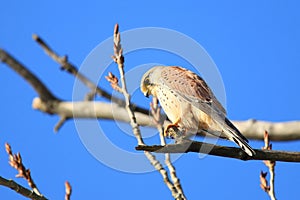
(190, 104)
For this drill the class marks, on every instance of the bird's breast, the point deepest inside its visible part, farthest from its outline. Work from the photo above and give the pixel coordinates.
(169, 101)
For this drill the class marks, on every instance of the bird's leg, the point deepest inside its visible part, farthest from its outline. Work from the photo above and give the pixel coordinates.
(172, 130)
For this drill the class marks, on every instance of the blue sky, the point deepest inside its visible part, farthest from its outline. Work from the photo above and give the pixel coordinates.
(255, 46)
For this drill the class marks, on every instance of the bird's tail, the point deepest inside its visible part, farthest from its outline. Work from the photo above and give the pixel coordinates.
(235, 135)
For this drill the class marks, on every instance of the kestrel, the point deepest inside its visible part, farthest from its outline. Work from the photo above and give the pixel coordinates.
(190, 104)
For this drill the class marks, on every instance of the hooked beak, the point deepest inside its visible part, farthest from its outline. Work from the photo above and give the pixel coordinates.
(146, 94)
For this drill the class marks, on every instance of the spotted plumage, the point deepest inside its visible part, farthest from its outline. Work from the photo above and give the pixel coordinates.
(190, 104)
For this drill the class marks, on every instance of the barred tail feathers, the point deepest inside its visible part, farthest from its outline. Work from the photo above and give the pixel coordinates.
(234, 135)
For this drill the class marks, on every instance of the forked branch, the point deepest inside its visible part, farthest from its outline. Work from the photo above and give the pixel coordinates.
(119, 59)
(72, 69)
(158, 120)
(47, 102)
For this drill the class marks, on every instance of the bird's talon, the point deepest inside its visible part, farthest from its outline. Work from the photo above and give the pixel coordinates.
(172, 131)
(169, 132)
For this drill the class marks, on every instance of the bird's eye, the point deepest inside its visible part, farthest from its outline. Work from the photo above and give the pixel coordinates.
(147, 81)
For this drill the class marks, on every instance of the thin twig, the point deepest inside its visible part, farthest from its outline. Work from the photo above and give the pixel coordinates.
(157, 118)
(15, 161)
(90, 96)
(68, 190)
(216, 150)
(67, 66)
(269, 189)
(60, 123)
(119, 59)
(159, 167)
(45, 95)
(70, 68)
(155, 109)
(152, 159)
(20, 189)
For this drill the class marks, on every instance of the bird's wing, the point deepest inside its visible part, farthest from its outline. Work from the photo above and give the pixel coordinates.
(192, 87)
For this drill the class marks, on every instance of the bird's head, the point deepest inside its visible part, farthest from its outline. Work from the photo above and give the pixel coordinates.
(149, 81)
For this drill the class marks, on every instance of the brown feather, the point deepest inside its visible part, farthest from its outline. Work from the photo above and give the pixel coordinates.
(187, 82)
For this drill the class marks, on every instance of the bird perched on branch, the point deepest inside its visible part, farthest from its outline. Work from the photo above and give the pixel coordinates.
(190, 104)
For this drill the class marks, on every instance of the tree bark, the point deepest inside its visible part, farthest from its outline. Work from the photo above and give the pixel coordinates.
(251, 129)
(20, 189)
(216, 150)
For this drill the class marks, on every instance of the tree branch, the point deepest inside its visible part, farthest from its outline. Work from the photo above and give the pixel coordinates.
(251, 129)
(155, 110)
(216, 150)
(119, 59)
(20, 189)
(20, 69)
(15, 161)
(278, 131)
(70, 68)
(269, 189)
